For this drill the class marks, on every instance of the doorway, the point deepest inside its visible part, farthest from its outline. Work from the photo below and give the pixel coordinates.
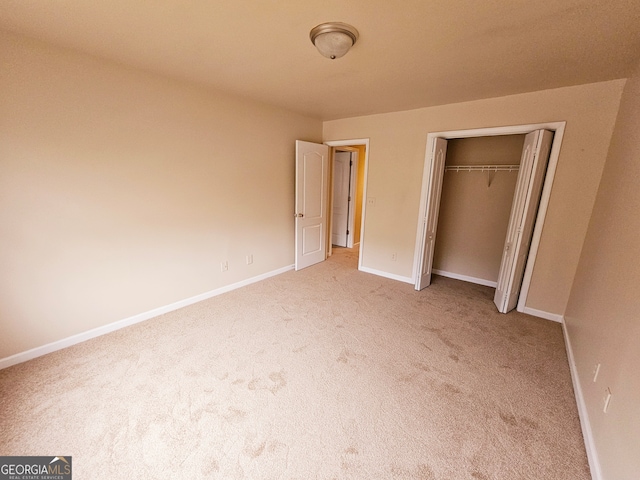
(431, 193)
(344, 198)
(359, 150)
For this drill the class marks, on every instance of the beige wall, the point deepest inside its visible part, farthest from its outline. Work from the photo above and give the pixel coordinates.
(123, 191)
(603, 313)
(362, 149)
(474, 213)
(396, 159)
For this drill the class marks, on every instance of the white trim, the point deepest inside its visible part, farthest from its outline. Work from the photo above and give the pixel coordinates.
(583, 414)
(349, 143)
(465, 278)
(558, 129)
(554, 317)
(392, 276)
(141, 317)
(495, 131)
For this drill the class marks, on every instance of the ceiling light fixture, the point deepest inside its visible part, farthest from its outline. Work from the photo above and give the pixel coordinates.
(333, 39)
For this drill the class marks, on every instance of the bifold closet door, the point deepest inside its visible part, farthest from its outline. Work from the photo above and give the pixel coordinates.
(434, 193)
(533, 166)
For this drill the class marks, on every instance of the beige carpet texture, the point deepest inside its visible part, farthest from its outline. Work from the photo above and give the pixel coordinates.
(325, 373)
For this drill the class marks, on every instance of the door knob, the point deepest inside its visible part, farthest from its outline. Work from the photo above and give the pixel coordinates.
(299, 215)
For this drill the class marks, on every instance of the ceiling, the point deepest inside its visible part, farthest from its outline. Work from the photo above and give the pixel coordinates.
(411, 53)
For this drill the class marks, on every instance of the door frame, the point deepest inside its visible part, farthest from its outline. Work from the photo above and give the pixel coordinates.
(558, 129)
(352, 143)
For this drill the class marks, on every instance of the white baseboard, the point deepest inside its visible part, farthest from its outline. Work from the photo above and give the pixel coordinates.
(592, 454)
(392, 276)
(465, 278)
(141, 317)
(554, 317)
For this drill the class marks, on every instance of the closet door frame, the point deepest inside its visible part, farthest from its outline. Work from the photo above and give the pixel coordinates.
(557, 128)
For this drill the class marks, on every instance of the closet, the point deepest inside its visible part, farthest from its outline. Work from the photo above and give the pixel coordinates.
(477, 192)
(471, 247)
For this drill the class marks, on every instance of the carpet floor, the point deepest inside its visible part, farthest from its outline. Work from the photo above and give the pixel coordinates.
(325, 373)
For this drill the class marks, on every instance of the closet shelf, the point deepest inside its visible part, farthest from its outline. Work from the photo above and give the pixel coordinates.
(482, 168)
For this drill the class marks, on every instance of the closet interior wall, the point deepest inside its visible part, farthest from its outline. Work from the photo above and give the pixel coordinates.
(475, 207)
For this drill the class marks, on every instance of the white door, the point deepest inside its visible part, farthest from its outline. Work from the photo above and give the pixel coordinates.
(533, 166)
(341, 198)
(430, 222)
(312, 168)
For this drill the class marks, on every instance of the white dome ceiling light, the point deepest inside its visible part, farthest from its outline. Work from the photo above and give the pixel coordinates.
(333, 39)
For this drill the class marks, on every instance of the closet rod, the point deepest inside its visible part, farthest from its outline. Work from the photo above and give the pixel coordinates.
(482, 168)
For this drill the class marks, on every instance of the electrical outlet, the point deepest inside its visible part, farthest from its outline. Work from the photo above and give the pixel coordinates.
(224, 266)
(394, 256)
(249, 259)
(607, 400)
(371, 202)
(596, 371)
